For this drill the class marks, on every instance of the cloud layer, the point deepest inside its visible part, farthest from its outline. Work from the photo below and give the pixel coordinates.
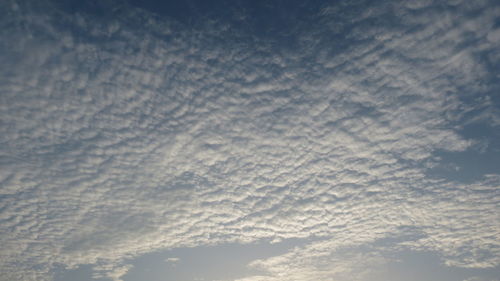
(125, 134)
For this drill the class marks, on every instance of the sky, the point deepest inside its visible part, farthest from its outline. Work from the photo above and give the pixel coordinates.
(250, 140)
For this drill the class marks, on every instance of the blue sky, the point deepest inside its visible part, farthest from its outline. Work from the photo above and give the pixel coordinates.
(249, 140)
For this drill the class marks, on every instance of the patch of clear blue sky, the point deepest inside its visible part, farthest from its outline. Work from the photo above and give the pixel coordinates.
(418, 266)
(218, 262)
(222, 262)
(472, 164)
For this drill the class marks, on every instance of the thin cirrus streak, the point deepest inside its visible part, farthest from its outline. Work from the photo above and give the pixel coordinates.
(132, 133)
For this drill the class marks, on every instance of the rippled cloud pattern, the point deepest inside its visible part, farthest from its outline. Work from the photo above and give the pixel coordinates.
(355, 125)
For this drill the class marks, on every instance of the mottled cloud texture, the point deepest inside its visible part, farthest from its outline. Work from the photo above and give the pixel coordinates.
(125, 133)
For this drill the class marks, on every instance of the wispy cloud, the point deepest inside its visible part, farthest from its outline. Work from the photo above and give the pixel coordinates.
(172, 260)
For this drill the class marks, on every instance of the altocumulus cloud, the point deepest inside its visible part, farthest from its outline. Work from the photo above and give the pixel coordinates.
(127, 133)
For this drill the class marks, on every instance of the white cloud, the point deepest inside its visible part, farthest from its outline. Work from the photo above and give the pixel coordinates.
(172, 260)
(117, 142)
